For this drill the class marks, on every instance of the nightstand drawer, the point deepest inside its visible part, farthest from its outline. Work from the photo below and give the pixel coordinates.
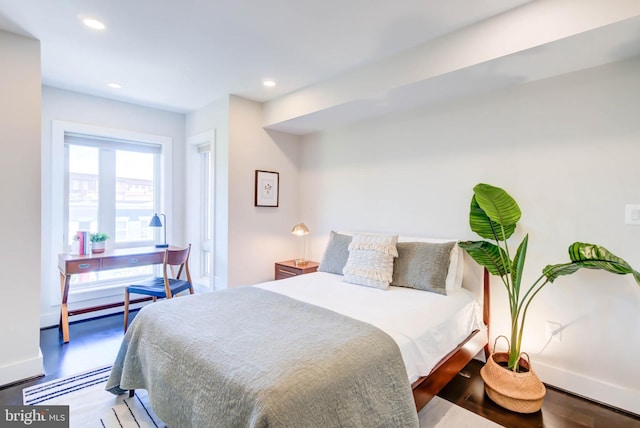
(286, 272)
(288, 268)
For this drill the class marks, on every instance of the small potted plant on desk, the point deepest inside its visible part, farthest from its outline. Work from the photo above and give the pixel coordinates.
(98, 241)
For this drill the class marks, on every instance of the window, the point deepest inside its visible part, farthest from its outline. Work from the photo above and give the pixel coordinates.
(206, 219)
(55, 204)
(200, 197)
(119, 184)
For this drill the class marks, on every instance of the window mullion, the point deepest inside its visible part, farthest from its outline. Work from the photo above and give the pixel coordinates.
(107, 192)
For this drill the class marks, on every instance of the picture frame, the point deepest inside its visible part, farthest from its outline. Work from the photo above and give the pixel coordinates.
(267, 189)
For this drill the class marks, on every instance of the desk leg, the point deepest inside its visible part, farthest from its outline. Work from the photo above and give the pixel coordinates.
(64, 313)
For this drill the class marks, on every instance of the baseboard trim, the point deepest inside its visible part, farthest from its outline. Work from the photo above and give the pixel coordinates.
(616, 396)
(21, 371)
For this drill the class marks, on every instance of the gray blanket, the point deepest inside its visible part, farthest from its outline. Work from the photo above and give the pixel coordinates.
(247, 357)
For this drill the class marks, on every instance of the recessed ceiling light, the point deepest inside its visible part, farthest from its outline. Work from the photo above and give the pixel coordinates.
(269, 83)
(93, 23)
(114, 85)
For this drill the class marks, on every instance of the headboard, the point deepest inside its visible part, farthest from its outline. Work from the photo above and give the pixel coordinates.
(477, 280)
(473, 279)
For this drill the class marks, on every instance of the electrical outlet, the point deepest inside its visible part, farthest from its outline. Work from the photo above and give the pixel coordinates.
(632, 214)
(553, 331)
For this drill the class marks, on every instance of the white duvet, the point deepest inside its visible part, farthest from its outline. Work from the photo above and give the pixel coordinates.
(426, 326)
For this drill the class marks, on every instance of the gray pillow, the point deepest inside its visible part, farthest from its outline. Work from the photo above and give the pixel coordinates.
(422, 265)
(336, 254)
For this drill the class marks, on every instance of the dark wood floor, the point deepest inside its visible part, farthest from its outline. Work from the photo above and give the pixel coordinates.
(559, 409)
(96, 342)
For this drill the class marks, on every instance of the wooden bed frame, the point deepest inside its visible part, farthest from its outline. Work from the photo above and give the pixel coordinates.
(425, 388)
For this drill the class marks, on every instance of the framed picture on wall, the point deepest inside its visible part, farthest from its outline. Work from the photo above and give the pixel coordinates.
(266, 191)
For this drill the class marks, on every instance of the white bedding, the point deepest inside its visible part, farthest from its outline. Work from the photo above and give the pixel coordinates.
(426, 326)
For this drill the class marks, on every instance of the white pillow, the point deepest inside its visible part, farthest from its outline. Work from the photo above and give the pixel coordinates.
(370, 261)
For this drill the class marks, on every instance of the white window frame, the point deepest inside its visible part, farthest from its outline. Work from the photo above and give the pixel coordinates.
(57, 243)
(194, 218)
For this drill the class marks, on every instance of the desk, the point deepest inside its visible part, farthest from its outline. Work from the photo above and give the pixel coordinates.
(115, 259)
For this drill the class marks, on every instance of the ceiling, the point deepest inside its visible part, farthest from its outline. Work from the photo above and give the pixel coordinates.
(180, 56)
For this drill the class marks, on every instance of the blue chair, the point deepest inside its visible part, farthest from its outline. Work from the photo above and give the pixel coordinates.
(165, 286)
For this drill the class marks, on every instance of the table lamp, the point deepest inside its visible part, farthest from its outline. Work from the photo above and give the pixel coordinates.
(155, 222)
(301, 229)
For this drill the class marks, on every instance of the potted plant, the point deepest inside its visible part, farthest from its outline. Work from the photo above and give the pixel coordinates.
(494, 215)
(98, 241)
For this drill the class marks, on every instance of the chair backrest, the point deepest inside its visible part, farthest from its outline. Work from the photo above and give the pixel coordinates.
(176, 258)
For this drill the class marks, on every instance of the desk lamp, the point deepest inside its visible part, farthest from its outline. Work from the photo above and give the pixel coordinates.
(155, 222)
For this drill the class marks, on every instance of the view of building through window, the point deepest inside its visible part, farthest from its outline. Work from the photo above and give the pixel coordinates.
(132, 202)
(134, 196)
(83, 189)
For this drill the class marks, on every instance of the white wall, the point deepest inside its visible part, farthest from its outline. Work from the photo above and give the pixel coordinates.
(566, 148)
(259, 236)
(20, 357)
(248, 239)
(68, 106)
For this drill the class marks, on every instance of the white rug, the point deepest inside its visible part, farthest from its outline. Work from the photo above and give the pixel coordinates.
(90, 405)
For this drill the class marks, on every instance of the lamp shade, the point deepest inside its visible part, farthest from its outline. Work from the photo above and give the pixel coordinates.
(300, 229)
(155, 221)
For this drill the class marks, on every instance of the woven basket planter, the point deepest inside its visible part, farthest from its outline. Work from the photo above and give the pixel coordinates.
(521, 392)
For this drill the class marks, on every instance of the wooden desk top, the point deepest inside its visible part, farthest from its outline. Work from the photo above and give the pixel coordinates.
(111, 259)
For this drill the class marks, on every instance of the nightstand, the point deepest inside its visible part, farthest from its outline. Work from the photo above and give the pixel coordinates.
(288, 268)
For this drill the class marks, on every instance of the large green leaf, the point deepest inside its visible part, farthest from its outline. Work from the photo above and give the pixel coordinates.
(590, 256)
(492, 207)
(482, 225)
(518, 265)
(488, 255)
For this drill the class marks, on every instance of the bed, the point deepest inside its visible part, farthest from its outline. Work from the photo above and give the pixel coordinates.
(332, 348)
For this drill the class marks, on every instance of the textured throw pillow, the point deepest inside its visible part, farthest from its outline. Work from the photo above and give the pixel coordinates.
(336, 254)
(370, 260)
(422, 265)
(456, 259)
